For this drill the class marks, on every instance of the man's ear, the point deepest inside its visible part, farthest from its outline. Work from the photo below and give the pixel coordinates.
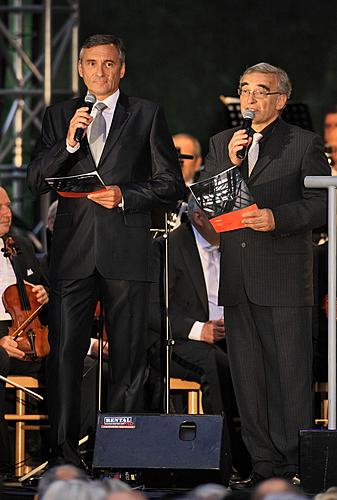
(122, 70)
(281, 102)
(198, 163)
(79, 67)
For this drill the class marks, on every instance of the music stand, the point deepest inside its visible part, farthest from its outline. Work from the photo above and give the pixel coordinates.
(296, 113)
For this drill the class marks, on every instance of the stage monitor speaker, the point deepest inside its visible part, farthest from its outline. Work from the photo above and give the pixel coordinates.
(318, 460)
(163, 450)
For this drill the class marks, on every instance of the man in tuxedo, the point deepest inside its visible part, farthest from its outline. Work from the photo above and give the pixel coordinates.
(101, 242)
(266, 283)
(11, 356)
(196, 321)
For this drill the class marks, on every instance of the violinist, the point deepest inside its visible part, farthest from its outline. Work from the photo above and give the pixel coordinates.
(11, 356)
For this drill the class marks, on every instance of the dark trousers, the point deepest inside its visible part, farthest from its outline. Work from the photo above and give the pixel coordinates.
(72, 306)
(207, 364)
(270, 355)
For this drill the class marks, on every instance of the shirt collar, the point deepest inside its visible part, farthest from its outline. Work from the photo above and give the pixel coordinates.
(111, 100)
(268, 130)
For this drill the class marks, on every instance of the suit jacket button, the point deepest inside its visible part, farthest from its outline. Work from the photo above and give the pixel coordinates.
(243, 244)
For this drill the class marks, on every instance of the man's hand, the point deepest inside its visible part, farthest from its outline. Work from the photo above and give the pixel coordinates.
(94, 349)
(11, 347)
(40, 292)
(109, 198)
(213, 331)
(81, 119)
(259, 220)
(240, 138)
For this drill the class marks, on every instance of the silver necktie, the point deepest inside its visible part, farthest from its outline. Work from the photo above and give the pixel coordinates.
(253, 152)
(98, 132)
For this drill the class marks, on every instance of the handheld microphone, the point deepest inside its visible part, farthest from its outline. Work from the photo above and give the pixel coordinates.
(89, 101)
(248, 117)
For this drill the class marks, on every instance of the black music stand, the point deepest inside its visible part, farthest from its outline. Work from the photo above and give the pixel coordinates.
(296, 113)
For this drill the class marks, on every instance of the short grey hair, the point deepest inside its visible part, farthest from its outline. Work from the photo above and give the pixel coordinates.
(115, 485)
(95, 40)
(283, 85)
(194, 140)
(74, 489)
(192, 207)
(57, 473)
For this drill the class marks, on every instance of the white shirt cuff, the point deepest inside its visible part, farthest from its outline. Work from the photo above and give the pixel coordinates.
(195, 332)
(72, 149)
(92, 341)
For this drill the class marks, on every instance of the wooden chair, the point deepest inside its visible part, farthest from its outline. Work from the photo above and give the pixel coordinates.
(194, 395)
(21, 419)
(321, 389)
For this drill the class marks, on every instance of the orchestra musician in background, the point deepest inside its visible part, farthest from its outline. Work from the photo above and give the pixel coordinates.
(11, 355)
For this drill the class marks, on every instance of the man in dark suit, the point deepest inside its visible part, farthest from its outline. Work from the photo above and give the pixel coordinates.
(196, 321)
(266, 280)
(101, 243)
(11, 356)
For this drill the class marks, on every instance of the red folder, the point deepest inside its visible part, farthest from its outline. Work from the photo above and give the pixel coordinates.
(231, 220)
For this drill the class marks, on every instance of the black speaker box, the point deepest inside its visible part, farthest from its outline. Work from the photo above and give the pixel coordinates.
(318, 460)
(164, 450)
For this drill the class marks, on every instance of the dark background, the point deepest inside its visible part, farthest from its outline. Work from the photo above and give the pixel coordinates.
(184, 54)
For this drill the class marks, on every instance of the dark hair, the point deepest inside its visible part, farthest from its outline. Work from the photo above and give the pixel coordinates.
(94, 40)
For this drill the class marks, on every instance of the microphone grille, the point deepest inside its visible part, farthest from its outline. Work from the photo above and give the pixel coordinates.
(249, 113)
(90, 98)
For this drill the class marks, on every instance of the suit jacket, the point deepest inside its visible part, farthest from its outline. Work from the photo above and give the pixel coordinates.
(139, 157)
(26, 261)
(274, 268)
(188, 300)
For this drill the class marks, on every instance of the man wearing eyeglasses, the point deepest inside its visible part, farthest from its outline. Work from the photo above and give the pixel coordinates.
(266, 273)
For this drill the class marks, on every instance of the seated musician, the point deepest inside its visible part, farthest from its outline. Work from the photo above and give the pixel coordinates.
(11, 356)
(196, 321)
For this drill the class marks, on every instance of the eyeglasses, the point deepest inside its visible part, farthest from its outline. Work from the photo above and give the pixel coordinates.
(258, 94)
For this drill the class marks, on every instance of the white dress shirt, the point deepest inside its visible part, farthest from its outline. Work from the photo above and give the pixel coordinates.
(108, 114)
(7, 278)
(210, 261)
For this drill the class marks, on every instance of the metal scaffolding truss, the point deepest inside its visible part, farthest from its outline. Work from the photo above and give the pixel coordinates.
(38, 42)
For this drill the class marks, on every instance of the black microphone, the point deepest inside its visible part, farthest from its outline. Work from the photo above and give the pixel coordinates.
(89, 101)
(248, 117)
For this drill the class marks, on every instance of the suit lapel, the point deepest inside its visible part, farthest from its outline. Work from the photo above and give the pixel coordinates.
(272, 148)
(121, 117)
(194, 269)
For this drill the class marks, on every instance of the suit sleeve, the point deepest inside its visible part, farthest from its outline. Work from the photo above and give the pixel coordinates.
(217, 159)
(49, 156)
(166, 185)
(310, 211)
(180, 320)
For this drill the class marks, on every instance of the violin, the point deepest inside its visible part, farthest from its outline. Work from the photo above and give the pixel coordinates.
(20, 302)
